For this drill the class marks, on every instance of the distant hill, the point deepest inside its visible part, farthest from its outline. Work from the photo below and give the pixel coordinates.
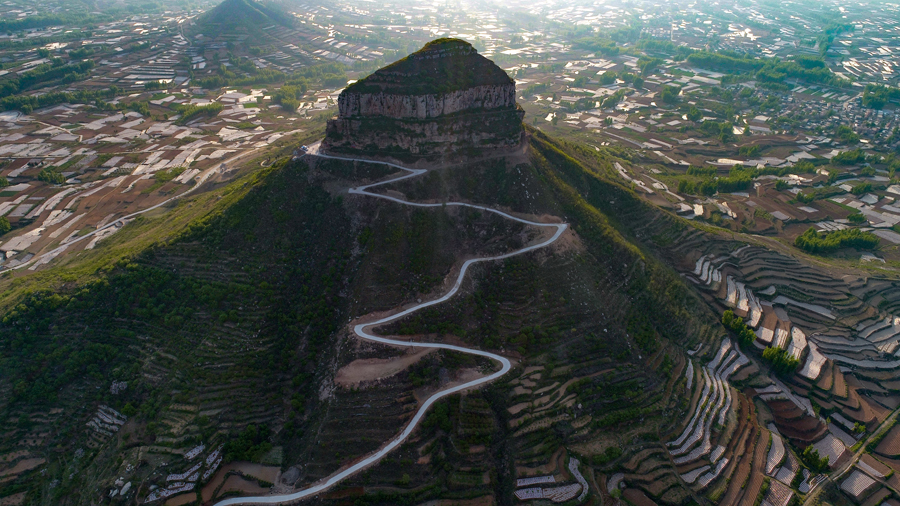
(248, 14)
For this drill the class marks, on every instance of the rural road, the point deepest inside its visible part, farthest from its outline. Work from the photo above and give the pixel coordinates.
(362, 332)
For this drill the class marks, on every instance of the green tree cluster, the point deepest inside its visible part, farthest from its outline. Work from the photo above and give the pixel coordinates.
(852, 157)
(665, 47)
(27, 103)
(724, 130)
(44, 73)
(701, 171)
(191, 111)
(827, 242)
(846, 135)
(648, 65)
(694, 114)
(155, 85)
(861, 188)
(767, 70)
(736, 324)
(533, 89)
(603, 46)
(751, 150)
(288, 96)
(669, 94)
(250, 444)
(782, 363)
(812, 459)
(876, 96)
(51, 176)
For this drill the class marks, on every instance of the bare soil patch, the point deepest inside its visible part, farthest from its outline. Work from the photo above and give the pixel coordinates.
(235, 483)
(258, 471)
(22, 466)
(637, 497)
(890, 445)
(181, 499)
(372, 369)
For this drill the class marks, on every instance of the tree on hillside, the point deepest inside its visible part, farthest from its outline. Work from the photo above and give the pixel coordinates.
(669, 94)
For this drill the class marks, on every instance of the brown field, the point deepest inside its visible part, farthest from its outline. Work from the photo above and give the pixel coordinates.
(890, 445)
(839, 386)
(742, 454)
(235, 483)
(372, 369)
(826, 377)
(182, 499)
(259, 471)
(13, 500)
(22, 466)
(637, 497)
(759, 469)
(877, 498)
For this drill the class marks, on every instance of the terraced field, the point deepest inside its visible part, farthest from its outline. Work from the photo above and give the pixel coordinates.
(841, 327)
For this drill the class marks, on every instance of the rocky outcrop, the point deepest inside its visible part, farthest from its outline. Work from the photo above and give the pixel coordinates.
(398, 106)
(445, 99)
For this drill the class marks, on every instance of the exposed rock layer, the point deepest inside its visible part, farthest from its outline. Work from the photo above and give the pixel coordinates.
(442, 100)
(392, 105)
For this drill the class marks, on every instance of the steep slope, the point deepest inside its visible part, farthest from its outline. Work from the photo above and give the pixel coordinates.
(249, 15)
(240, 323)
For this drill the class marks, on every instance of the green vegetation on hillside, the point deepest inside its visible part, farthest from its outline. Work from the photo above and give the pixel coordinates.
(288, 97)
(782, 363)
(27, 103)
(51, 176)
(827, 242)
(852, 157)
(812, 459)
(329, 74)
(192, 111)
(45, 73)
(768, 70)
(737, 325)
(876, 96)
(249, 14)
(63, 347)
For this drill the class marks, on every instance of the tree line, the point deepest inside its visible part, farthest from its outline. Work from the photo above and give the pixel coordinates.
(828, 242)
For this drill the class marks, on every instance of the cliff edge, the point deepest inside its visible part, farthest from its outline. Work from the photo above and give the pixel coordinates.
(443, 100)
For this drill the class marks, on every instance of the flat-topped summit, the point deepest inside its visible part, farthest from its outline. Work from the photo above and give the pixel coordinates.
(444, 99)
(441, 66)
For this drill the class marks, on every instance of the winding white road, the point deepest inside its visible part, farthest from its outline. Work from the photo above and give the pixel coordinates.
(361, 331)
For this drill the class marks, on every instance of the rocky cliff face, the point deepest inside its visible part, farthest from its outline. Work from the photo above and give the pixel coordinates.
(398, 106)
(443, 100)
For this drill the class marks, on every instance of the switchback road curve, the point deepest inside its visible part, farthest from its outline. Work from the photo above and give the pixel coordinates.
(361, 331)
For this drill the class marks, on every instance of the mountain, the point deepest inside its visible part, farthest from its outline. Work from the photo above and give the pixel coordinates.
(248, 14)
(444, 100)
(262, 336)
